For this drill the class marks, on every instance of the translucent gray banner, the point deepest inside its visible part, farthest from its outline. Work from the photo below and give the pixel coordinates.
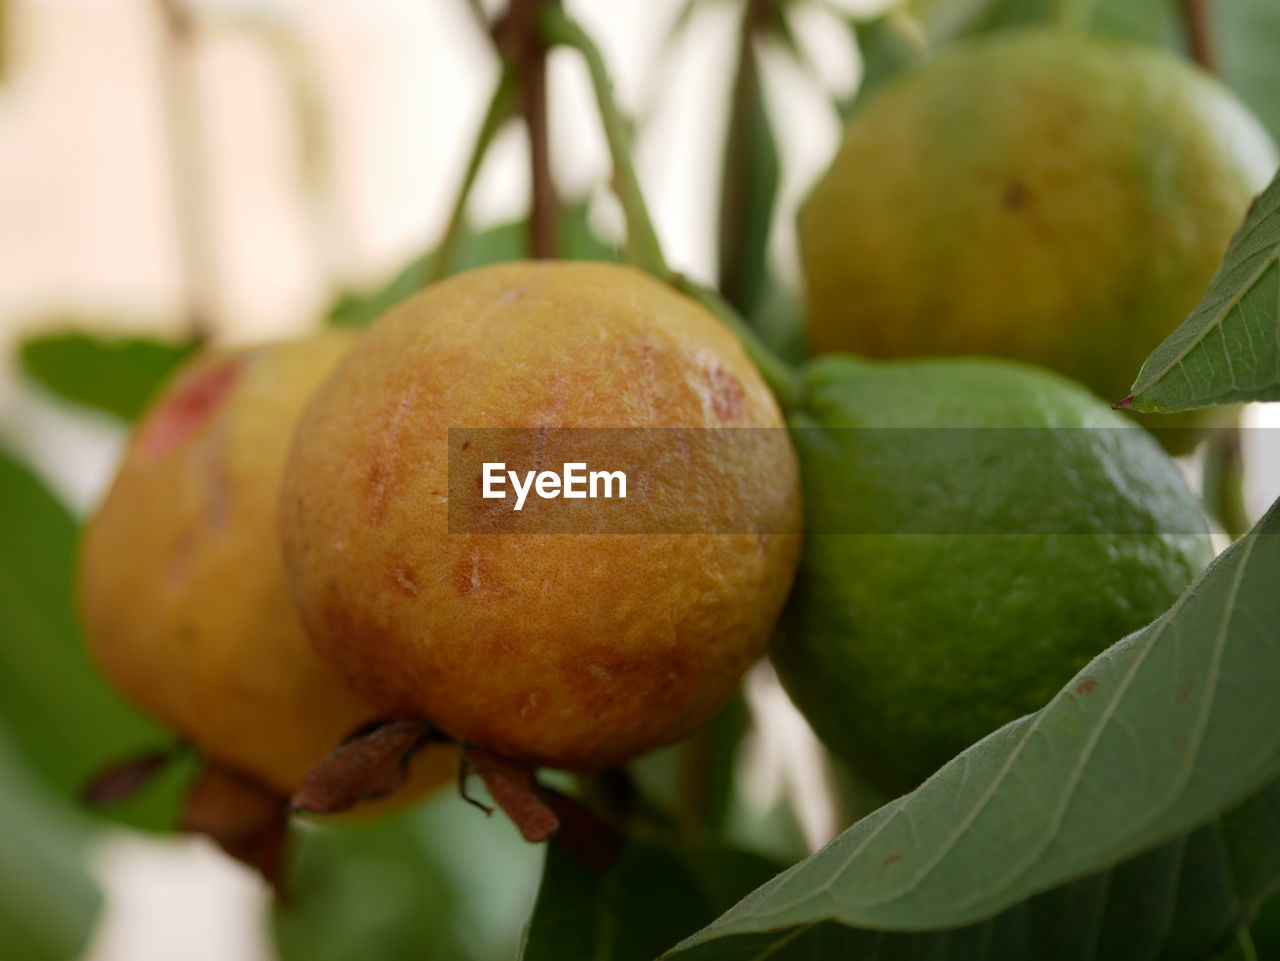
(1004, 481)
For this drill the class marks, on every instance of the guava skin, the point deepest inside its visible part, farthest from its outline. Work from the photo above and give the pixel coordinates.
(1040, 195)
(181, 581)
(991, 569)
(571, 650)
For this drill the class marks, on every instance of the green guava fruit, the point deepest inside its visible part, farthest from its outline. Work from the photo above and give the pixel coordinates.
(976, 531)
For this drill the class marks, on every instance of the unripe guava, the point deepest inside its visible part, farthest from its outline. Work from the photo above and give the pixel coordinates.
(573, 650)
(181, 583)
(1054, 198)
(977, 531)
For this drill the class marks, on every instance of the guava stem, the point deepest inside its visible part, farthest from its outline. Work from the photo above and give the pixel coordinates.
(518, 36)
(498, 113)
(643, 248)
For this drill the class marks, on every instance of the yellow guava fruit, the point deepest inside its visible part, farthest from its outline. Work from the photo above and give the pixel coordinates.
(1046, 196)
(181, 583)
(573, 650)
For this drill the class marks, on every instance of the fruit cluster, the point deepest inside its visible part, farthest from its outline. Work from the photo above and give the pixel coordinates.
(274, 566)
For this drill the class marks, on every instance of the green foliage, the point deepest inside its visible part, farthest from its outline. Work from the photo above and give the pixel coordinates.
(1166, 731)
(367, 892)
(117, 375)
(749, 190)
(1245, 35)
(476, 248)
(48, 902)
(650, 897)
(1228, 349)
(64, 720)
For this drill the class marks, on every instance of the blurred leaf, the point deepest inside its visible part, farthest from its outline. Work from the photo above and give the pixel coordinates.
(712, 760)
(113, 374)
(749, 187)
(1161, 733)
(1246, 35)
(370, 891)
(889, 44)
(502, 242)
(779, 321)
(64, 719)
(48, 902)
(1241, 948)
(1265, 931)
(1228, 349)
(650, 898)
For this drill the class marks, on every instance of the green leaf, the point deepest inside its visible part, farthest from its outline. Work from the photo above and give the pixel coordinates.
(48, 902)
(749, 190)
(65, 720)
(1265, 930)
(372, 891)
(113, 374)
(1156, 737)
(476, 248)
(888, 44)
(1183, 900)
(649, 898)
(1228, 349)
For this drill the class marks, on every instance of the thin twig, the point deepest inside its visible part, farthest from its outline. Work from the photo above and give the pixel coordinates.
(643, 248)
(1195, 20)
(498, 113)
(544, 212)
(519, 40)
(187, 159)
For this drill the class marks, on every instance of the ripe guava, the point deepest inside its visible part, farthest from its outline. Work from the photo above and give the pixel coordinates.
(181, 583)
(976, 531)
(572, 650)
(1050, 197)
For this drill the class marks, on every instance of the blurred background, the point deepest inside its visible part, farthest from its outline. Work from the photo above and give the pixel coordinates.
(237, 165)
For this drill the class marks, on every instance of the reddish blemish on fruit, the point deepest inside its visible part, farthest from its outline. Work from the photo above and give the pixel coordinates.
(727, 394)
(189, 405)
